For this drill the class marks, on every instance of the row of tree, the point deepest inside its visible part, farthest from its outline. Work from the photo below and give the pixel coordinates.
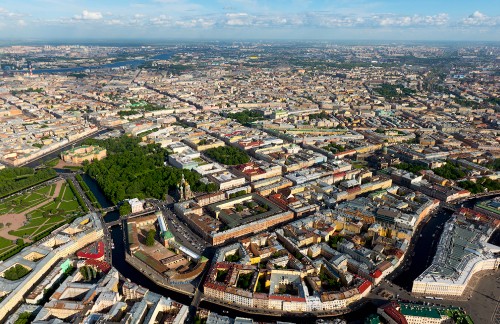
(16, 179)
(77, 195)
(87, 191)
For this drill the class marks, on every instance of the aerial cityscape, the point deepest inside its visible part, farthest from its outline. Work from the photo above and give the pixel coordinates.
(226, 174)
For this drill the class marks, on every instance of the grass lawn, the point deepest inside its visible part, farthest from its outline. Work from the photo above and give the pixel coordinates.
(43, 229)
(69, 206)
(68, 194)
(18, 204)
(23, 231)
(35, 213)
(55, 219)
(7, 249)
(4, 243)
(46, 190)
(23, 206)
(73, 168)
(34, 196)
(43, 218)
(52, 163)
(52, 190)
(4, 209)
(36, 221)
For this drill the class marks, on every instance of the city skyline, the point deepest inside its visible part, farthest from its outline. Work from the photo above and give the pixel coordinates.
(250, 19)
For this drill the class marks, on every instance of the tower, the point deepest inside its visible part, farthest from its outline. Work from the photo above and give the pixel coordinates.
(187, 191)
(181, 191)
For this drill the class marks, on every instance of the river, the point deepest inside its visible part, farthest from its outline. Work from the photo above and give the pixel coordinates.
(56, 153)
(129, 63)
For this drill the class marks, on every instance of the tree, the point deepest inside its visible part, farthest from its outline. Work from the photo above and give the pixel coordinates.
(133, 171)
(150, 238)
(24, 318)
(125, 209)
(228, 155)
(16, 272)
(8, 225)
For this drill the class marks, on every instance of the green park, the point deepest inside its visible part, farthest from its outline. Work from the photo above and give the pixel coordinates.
(31, 215)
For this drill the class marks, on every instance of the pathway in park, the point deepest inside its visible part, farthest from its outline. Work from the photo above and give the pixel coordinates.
(18, 220)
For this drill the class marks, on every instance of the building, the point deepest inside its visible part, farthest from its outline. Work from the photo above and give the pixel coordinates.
(136, 205)
(83, 153)
(462, 251)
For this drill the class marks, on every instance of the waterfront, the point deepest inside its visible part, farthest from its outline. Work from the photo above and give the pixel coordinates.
(424, 250)
(127, 63)
(56, 153)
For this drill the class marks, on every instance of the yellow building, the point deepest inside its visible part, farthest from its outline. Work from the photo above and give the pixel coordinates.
(83, 153)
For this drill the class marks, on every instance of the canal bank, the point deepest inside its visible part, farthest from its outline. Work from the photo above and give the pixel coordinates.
(134, 63)
(424, 246)
(57, 152)
(424, 250)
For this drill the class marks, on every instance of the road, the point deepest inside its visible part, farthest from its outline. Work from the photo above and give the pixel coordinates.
(182, 232)
(481, 299)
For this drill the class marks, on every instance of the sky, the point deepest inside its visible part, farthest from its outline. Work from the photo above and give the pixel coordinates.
(436, 20)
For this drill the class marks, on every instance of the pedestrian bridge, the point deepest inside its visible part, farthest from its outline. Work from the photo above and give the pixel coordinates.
(109, 209)
(114, 223)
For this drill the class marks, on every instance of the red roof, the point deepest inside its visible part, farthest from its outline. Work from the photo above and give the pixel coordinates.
(89, 253)
(353, 190)
(365, 285)
(375, 274)
(287, 298)
(395, 315)
(101, 265)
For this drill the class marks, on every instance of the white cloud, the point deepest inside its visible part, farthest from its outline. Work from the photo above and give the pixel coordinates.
(479, 19)
(410, 21)
(6, 14)
(89, 15)
(239, 19)
(114, 22)
(195, 23)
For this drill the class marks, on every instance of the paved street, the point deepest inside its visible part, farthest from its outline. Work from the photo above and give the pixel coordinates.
(183, 233)
(481, 299)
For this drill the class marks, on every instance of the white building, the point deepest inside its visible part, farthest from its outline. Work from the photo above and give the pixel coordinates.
(136, 205)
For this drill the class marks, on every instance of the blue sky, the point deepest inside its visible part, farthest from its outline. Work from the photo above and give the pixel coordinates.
(251, 19)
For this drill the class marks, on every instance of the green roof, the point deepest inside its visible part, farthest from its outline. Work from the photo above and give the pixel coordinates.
(167, 235)
(420, 311)
(373, 319)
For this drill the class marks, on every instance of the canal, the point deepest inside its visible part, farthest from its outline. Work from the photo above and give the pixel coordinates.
(55, 154)
(425, 245)
(425, 248)
(139, 278)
